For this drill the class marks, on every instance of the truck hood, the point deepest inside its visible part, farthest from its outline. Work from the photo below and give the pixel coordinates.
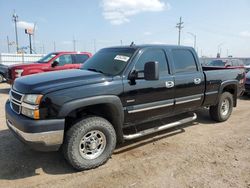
(53, 81)
(26, 65)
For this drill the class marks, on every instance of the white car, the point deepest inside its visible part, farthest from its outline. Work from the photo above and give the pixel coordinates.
(247, 67)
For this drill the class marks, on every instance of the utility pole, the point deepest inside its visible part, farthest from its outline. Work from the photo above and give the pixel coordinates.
(15, 19)
(33, 36)
(8, 44)
(74, 44)
(219, 50)
(29, 32)
(54, 43)
(179, 26)
(95, 45)
(30, 44)
(192, 34)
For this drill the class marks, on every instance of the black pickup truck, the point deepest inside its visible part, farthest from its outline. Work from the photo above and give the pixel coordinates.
(87, 112)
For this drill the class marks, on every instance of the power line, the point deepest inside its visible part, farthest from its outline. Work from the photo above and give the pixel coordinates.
(180, 27)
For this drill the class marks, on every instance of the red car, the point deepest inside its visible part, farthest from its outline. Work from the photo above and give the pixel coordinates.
(52, 62)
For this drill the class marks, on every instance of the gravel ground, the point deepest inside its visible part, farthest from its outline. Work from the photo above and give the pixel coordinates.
(198, 154)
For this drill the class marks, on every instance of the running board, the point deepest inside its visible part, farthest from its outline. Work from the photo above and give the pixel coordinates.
(160, 128)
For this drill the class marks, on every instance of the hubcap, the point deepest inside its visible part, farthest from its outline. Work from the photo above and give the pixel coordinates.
(92, 144)
(225, 107)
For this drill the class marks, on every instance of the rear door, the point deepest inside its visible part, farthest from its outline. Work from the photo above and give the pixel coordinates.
(145, 100)
(189, 80)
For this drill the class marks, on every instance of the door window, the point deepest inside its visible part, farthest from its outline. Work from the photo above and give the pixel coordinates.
(152, 55)
(184, 61)
(64, 60)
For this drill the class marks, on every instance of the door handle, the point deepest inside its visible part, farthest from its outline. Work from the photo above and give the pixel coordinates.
(197, 80)
(169, 84)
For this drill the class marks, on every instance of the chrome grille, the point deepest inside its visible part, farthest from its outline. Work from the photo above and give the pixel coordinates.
(16, 100)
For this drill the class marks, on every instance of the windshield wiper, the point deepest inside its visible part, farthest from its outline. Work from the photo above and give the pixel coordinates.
(95, 70)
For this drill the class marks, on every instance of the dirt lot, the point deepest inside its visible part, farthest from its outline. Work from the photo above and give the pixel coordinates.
(198, 154)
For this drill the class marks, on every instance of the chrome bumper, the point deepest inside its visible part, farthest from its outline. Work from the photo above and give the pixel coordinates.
(51, 138)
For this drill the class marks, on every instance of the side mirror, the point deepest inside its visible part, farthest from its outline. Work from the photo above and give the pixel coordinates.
(151, 70)
(54, 64)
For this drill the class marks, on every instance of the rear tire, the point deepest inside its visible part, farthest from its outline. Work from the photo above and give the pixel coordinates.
(222, 111)
(89, 143)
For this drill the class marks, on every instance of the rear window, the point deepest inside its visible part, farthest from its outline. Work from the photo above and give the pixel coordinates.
(216, 63)
(184, 61)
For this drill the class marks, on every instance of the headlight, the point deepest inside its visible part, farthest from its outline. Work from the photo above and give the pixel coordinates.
(18, 72)
(32, 99)
(30, 106)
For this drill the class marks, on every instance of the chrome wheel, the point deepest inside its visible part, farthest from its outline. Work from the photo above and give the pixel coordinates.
(225, 107)
(92, 144)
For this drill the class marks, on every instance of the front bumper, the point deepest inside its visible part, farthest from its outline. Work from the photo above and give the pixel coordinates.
(41, 135)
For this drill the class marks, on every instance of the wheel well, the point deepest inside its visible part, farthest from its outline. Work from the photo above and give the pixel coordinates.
(104, 110)
(233, 90)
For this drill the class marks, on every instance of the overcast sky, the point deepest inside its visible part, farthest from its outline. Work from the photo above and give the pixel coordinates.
(107, 22)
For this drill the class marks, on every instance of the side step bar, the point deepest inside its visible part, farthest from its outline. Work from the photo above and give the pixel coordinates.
(160, 128)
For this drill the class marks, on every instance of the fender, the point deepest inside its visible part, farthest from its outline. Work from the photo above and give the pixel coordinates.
(34, 71)
(112, 101)
(227, 83)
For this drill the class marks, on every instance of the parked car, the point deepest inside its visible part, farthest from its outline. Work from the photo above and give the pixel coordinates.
(52, 62)
(87, 112)
(226, 63)
(247, 68)
(247, 84)
(3, 71)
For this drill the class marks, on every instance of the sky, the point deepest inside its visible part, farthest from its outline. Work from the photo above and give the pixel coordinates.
(219, 25)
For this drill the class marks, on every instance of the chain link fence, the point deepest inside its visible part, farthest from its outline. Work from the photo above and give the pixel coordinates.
(10, 59)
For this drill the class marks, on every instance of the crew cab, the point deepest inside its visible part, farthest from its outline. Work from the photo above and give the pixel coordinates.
(109, 100)
(52, 62)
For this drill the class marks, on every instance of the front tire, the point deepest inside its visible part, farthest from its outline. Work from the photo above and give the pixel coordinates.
(222, 111)
(89, 143)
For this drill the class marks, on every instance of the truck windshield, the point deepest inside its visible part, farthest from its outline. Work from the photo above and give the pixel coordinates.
(46, 58)
(110, 61)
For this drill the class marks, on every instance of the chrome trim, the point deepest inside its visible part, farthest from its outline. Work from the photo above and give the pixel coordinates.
(211, 92)
(29, 106)
(15, 101)
(48, 138)
(160, 128)
(150, 108)
(189, 100)
(130, 100)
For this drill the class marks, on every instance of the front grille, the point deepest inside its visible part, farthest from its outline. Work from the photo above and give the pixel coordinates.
(8, 74)
(16, 100)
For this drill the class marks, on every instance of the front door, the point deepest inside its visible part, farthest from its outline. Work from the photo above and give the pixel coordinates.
(145, 100)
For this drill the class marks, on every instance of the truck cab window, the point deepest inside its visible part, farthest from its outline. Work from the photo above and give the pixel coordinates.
(81, 58)
(184, 61)
(64, 60)
(152, 55)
